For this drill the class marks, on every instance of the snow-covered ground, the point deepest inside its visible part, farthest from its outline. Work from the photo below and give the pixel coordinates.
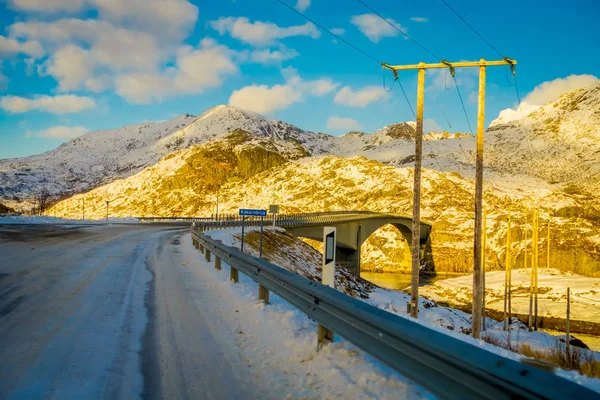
(552, 297)
(23, 220)
(299, 258)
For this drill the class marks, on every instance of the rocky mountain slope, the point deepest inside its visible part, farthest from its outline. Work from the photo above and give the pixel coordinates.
(186, 181)
(177, 185)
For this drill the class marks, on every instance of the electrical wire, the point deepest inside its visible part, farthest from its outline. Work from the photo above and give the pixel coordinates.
(331, 33)
(463, 106)
(399, 30)
(473, 29)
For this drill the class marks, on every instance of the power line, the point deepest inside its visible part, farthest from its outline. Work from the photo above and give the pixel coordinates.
(331, 33)
(406, 97)
(473, 29)
(399, 30)
(463, 106)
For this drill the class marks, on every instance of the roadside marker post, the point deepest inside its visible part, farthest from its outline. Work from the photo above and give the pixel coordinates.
(328, 277)
(329, 237)
(274, 209)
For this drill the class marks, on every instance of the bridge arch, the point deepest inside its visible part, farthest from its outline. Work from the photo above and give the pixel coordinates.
(353, 231)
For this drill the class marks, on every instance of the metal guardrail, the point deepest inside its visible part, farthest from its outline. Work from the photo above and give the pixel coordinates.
(447, 367)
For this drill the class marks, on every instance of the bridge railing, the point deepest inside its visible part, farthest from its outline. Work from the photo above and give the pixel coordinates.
(222, 221)
(448, 367)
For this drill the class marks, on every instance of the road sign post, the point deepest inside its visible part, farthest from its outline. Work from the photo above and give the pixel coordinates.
(245, 212)
(243, 223)
(262, 219)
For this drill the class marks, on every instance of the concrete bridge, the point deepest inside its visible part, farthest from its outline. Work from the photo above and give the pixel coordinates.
(353, 228)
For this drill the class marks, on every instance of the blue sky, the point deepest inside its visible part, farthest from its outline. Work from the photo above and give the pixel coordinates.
(71, 66)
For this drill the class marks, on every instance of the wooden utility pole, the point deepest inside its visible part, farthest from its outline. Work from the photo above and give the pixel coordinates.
(548, 245)
(421, 67)
(508, 278)
(568, 336)
(477, 293)
(531, 278)
(483, 238)
(416, 221)
(534, 265)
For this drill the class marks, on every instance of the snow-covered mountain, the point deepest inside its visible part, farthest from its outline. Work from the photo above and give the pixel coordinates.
(101, 157)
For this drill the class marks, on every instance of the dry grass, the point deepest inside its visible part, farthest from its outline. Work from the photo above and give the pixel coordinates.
(576, 359)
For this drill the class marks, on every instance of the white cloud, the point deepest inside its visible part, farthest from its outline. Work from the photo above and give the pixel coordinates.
(266, 56)
(419, 19)
(302, 5)
(11, 47)
(374, 28)
(62, 104)
(361, 97)
(70, 66)
(260, 33)
(112, 47)
(265, 99)
(47, 6)
(319, 87)
(430, 125)
(174, 17)
(552, 90)
(165, 18)
(60, 132)
(195, 70)
(544, 93)
(133, 36)
(346, 124)
(338, 31)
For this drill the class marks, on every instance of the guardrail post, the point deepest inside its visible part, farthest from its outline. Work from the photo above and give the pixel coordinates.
(324, 335)
(217, 260)
(233, 274)
(207, 254)
(263, 294)
(201, 247)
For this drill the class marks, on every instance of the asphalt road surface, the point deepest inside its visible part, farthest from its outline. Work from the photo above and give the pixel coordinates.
(106, 312)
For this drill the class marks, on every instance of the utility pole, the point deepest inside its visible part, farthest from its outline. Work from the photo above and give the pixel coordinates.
(483, 238)
(534, 265)
(548, 245)
(477, 294)
(416, 221)
(508, 277)
(531, 278)
(568, 337)
(421, 67)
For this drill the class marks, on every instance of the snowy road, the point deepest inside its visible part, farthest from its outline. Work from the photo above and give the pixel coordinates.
(133, 311)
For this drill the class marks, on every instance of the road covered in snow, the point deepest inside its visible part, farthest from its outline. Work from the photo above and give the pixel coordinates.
(133, 311)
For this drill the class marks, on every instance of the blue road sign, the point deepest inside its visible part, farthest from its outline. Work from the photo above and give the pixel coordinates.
(253, 213)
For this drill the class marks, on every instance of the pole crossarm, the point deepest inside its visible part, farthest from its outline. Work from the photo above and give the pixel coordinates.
(448, 64)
